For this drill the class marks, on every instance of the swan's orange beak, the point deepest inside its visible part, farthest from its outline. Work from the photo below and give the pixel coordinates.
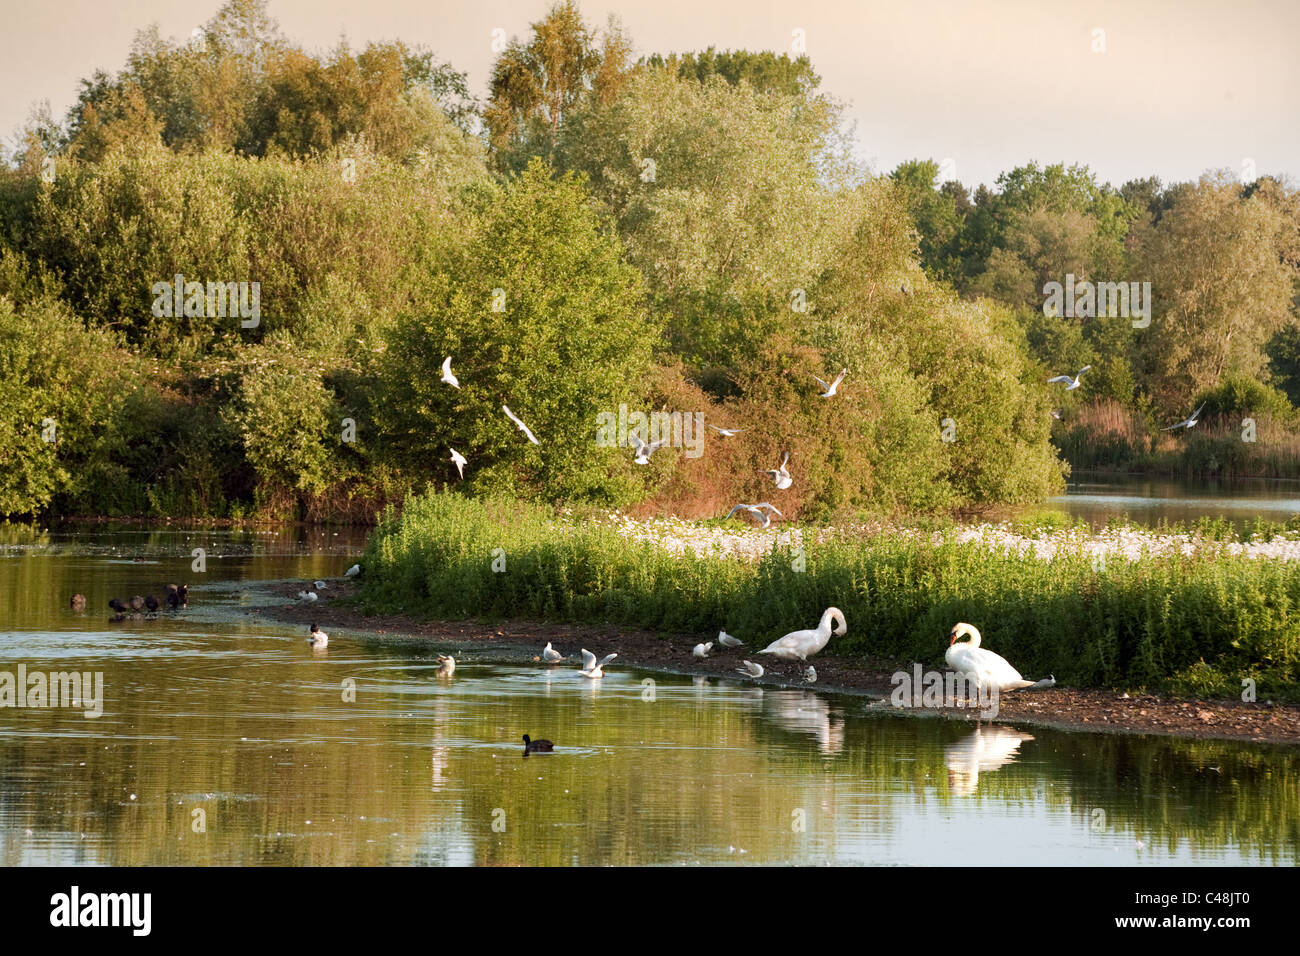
(952, 638)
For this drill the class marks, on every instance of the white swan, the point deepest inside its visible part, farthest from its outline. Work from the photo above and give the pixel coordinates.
(645, 450)
(701, 650)
(750, 669)
(459, 461)
(1188, 422)
(833, 386)
(986, 750)
(800, 645)
(317, 637)
(446, 665)
(522, 427)
(726, 640)
(1071, 382)
(988, 669)
(590, 668)
(780, 475)
(446, 373)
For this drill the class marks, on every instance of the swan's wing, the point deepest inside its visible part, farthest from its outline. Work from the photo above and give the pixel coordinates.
(996, 666)
(606, 659)
(588, 660)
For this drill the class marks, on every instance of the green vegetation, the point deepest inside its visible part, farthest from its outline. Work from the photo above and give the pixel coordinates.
(1198, 624)
(686, 232)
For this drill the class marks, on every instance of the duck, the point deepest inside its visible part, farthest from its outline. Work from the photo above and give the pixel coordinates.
(151, 603)
(592, 669)
(117, 605)
(446, 665)
(551, 655)
(537, 746)
(137, 603)
(988, 669)
(78, 602)
(317, 637)
(800, 645)
(177, 595)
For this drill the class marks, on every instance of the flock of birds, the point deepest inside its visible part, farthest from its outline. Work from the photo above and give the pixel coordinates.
(642, 449)
(1071, 382)
(140, 606)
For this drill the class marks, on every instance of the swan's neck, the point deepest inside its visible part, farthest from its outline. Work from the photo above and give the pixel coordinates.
(973, 636)
(828, 617)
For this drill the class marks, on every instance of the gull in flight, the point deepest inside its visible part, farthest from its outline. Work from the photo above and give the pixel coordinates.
(750, 669)
(780, 475)
(590, 668)
(764, 516)
(447, 375)
(701, 650)
(727, 432)
(1058, 414)
(1070, 383)
(522, 427)
(644, 450)
(1188, 422)
(459, 461)
(831, 388)
(551, 655)
(726, 640)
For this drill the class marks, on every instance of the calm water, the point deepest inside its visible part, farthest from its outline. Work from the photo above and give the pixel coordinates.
(1147, 501)
(205, 711)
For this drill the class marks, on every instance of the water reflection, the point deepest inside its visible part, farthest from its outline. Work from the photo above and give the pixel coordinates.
(986, 749)
(1147, 501)
(803, 712)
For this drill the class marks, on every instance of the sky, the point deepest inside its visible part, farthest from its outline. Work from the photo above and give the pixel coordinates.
(1134, 88)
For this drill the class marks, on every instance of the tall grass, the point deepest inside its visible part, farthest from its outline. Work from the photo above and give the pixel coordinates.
(1186, 623)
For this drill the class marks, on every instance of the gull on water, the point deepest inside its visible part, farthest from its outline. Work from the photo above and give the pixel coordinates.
(758, 511)
(833, 386)
(459, 461)
(1071, 382)
(1188, 422)
(750, 669)
(447, 376)
(590, 668)
(780, 475)
(522, 427)
(446, 665)
(726, 640)
(317, 637)
(702, 650)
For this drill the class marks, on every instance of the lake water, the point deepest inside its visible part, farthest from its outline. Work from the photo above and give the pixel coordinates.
(1147, 501)
(224, 741)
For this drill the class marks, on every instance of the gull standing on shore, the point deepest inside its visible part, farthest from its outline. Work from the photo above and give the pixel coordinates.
(750, 669)
(726, 640)
(701, 650)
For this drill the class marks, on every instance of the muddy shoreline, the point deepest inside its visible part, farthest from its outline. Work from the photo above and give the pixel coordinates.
(521, 641)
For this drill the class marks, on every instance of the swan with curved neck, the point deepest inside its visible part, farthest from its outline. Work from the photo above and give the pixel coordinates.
(988, 669)
(800, 645)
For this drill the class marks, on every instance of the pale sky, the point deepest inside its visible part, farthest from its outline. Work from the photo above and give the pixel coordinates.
(1182, 86)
